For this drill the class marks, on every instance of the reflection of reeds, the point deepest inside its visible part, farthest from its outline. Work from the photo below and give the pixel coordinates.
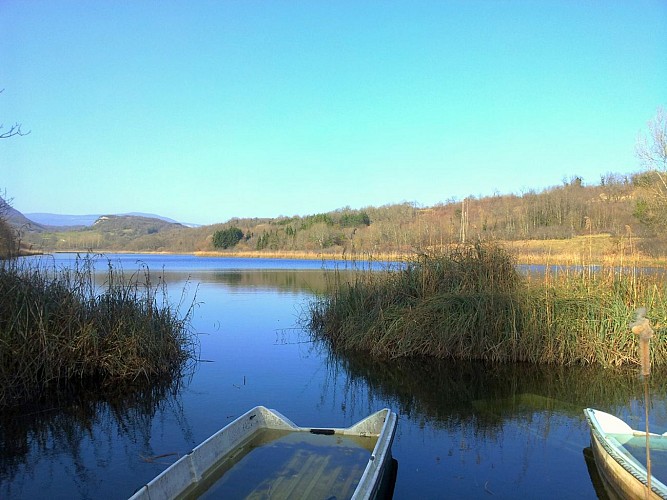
(65, 424)
(481, 395)
(471, 303)
(57, 331)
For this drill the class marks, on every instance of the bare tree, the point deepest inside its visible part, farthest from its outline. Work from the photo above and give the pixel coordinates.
(7, 237)
(651, 150)
(13, 130)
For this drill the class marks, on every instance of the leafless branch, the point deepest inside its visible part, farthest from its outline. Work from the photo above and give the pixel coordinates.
(652, 149)
(13, 130)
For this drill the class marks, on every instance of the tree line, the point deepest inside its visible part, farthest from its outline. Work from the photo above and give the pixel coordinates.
(614, 206)
(617, 205)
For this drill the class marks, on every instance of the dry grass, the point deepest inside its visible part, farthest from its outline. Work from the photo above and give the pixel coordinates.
(306, 255)
(601, 249)
(597, 249)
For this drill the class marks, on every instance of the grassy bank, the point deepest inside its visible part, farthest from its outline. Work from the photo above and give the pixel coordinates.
(597, 249)
(57, 331)
(470, 302)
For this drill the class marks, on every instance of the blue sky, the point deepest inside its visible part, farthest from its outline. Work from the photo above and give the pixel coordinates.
(202, 111)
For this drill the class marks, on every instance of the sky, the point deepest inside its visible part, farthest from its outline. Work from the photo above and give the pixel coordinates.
(206, 110)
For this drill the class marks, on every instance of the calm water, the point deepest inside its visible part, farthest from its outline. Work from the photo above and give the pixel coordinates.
(466, 430)
(287, 464)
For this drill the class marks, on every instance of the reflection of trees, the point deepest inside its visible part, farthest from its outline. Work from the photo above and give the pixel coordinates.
(281, 279)
(306, 281)
(67, 428)
(447, 393)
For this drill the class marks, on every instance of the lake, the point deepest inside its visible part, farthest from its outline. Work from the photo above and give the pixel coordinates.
(466, 430)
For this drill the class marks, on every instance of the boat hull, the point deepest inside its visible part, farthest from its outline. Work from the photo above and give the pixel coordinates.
(200, 468)
(622, 476)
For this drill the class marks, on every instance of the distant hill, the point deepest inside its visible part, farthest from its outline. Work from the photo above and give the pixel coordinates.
(17, 219)
(64, 220)
(166, 219)
(152, 216)
(133, 225)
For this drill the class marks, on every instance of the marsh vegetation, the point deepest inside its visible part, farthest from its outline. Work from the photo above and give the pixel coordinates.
(59, 331)
(470, 302)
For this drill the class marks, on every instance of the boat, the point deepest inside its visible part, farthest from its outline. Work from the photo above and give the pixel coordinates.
(263, 454)
(620, 457)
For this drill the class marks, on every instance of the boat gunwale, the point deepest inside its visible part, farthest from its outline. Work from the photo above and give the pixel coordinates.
(378, 462)
(627, 462)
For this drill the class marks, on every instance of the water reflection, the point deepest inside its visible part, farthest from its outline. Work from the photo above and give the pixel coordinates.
(507, 430)
(593, 472)
(466, 429)
(438, 390)
(309, 281)
(266, 274)
(58, 441)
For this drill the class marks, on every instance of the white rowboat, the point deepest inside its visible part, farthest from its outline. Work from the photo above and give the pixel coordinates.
(262, 454)
(620, 457)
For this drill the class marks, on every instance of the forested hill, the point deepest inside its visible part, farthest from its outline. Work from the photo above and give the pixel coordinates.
(619, 206)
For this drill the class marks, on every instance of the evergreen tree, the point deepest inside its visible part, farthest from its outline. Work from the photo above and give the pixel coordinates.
(227, 238)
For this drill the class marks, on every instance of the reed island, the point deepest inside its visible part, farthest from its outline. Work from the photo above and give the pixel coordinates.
(472, 302)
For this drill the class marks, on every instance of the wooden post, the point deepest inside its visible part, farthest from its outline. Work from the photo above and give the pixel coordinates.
(642, 327)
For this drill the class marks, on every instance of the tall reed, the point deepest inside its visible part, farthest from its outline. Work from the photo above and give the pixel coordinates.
(470, 302)
(58, 330)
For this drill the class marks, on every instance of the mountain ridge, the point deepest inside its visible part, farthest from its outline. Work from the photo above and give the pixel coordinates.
(87, 220)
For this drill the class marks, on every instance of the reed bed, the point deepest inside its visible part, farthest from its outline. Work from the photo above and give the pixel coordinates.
(338, 254)
(470, 302)
(58, 330)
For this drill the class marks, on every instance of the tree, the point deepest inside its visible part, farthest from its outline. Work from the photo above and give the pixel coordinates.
(355, 219)
(7, 235)
(13, 130)
(227, 238)
(651, 150)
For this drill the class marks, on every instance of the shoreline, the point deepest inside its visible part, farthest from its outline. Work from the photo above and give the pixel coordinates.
(526, 252)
